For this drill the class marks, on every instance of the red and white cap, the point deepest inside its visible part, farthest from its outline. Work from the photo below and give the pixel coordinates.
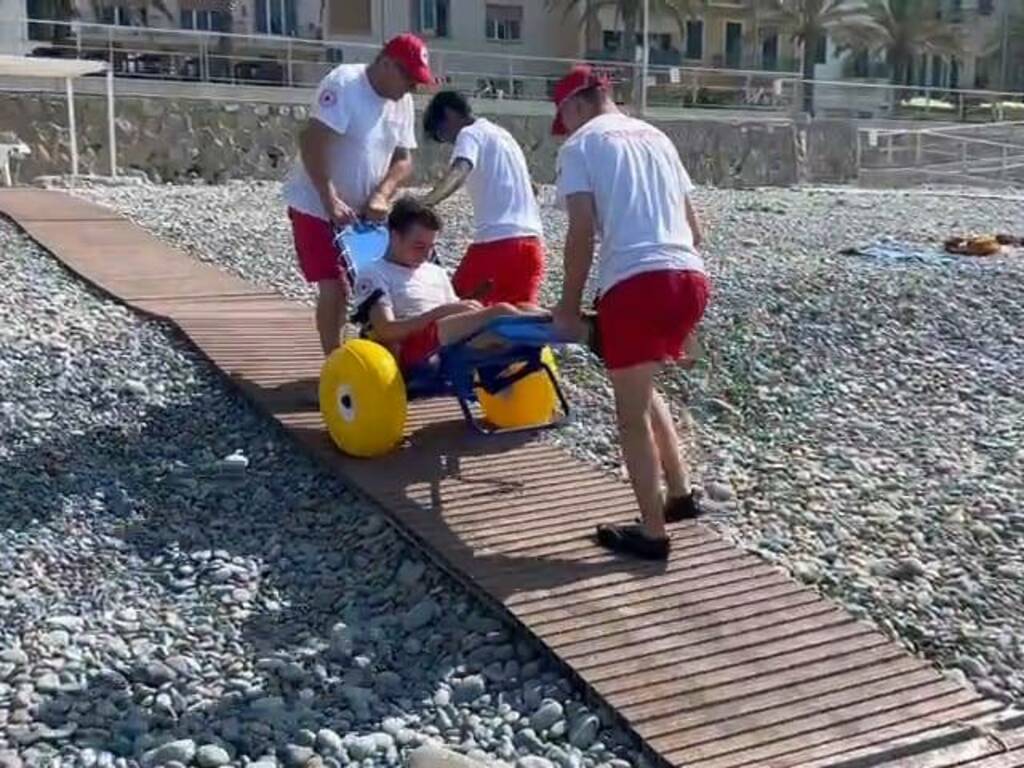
(411, 53)
(580, 78)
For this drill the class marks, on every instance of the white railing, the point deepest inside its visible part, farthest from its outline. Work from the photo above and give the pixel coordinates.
(961, 153)
(157, 53)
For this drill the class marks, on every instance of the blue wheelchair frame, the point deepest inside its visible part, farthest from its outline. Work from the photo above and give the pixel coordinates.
(459, 368)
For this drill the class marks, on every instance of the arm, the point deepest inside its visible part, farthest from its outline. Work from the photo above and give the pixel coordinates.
(694, 222)
(314, 142)
(399, 170)
(579, 251)
(388, 330)
(450, 184)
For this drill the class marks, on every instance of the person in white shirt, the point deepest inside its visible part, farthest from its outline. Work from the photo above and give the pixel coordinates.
(412, 306)
(505, 262)
(621, 179)
(354, 152)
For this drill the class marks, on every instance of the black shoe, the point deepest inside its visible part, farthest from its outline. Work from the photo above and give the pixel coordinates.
(632, 540)
(682, 508)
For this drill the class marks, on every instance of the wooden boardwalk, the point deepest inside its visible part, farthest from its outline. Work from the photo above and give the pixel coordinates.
(716, 660)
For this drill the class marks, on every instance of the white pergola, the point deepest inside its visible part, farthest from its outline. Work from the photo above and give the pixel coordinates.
(67, 70)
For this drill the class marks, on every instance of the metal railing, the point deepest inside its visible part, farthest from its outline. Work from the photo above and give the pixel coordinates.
(200, 56)
(972, 154)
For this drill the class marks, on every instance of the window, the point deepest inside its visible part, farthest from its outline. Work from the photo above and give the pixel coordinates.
(733, 44)
(821, 50)
(276, 17)
(214, 21)
(769, 49)
(119, 15)
(981, 72)
(986, 7)
(612, 40)
(695, 39)
(504, 22)
(938, 71)
(431, 17)
(348, 17)
(861, 66)
(656, 40)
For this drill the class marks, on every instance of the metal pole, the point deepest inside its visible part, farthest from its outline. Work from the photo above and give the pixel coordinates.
(1004, 75)
(646, 57)
(111, 126)
(70, 93)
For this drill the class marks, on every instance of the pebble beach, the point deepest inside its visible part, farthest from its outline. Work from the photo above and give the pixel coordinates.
(183, 587)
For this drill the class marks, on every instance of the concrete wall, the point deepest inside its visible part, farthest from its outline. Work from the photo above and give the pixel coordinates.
(175, 140)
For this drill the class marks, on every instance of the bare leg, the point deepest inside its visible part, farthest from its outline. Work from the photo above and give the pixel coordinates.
(331, 308)
(454, 327)
(665, 437)
(634, 390)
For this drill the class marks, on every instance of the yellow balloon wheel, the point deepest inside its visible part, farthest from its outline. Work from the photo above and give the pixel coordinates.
(362, 398)
(530, 402)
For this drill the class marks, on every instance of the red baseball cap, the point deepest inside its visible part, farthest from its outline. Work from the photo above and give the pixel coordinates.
(411, 53)
(580, 78)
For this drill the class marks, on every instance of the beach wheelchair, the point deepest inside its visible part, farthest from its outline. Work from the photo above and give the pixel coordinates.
(364, 395)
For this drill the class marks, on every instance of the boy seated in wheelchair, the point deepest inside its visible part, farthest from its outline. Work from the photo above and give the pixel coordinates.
(409, 303)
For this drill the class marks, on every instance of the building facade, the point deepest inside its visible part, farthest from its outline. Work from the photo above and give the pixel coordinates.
(729, 52)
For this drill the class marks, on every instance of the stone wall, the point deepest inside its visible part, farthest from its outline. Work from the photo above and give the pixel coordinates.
(177, 140)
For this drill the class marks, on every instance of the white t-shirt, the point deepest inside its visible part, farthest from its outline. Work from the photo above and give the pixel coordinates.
(407, 291)
(499, 185)
(368, 129)
(640, 187)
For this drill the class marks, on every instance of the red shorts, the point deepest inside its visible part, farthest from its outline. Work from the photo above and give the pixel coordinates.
(514, 266)
(418, 346)
(647, 318)
(314, 245)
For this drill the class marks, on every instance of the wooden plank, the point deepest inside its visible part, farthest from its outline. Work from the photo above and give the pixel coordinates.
(649, 665)
(768, 745)
(719, 737)
(774, 689)
(883, 746)
(772, 671)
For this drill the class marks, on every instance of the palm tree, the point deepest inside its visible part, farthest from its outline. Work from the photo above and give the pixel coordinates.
(809, 22)
(902, 30)
(630, 12)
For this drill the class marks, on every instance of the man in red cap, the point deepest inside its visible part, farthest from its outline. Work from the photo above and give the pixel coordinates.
(621, 178)
(354, 152)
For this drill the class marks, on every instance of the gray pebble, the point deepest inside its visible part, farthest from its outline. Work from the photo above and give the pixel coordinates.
(181, 751)
(295, 756)
(420, 615)
(212, 756)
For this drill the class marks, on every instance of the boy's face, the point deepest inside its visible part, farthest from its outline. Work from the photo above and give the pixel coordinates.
(414, 247)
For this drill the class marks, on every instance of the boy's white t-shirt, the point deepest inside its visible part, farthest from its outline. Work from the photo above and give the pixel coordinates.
(407, 291)
(499, 184)
(640, 187)
(368, 129)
